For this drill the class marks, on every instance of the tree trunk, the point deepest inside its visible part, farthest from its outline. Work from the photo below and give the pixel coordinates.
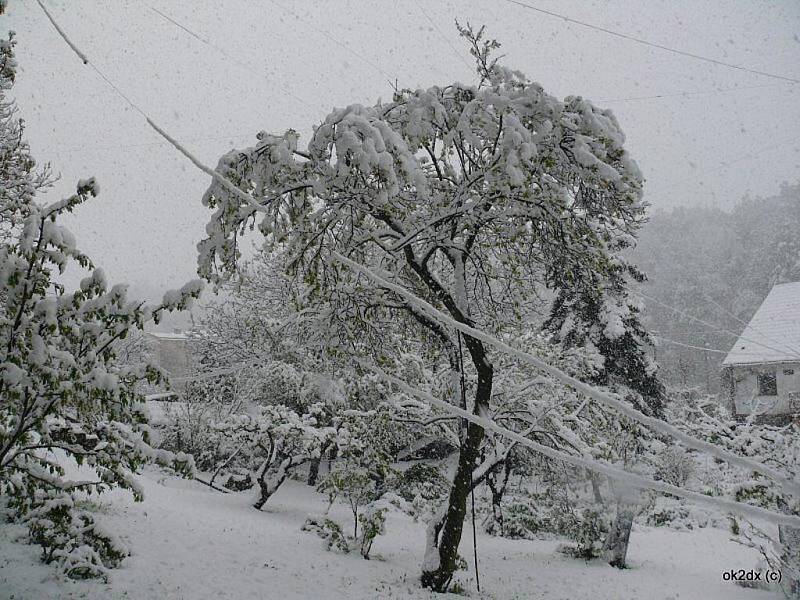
(267, 487)
(313, 471)
(615, 547)
(438, 579)
(598, 497)
(436, 575)
(789, 538)
(269, 481)
(497, 480)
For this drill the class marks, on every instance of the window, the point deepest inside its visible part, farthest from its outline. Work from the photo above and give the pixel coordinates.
(788, 371)
(767, 384)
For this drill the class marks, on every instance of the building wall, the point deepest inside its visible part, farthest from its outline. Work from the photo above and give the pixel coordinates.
(171, 354)
(743, 388)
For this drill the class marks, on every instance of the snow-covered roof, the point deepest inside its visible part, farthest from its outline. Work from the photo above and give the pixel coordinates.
(773, 334)
(163, 335)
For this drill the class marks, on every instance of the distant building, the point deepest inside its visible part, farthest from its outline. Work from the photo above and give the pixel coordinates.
(170, 351)
(761, 373)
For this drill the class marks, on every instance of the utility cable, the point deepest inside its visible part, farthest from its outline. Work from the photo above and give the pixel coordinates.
(645, 42)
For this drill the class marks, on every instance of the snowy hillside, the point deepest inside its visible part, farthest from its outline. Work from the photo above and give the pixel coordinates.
(191, 542)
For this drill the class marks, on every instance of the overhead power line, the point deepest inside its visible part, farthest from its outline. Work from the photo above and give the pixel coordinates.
(739, 336)
(257, 72)
(443, 36)
(644, 42)
(216, 175)
(335, 40)
(689, 93)
(677, 343)
(85, 60)
(62, 34)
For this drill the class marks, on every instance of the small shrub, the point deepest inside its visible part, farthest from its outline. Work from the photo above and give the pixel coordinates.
(421, 480)
(372, 522)
(735, 529)
(520, 521)
(588, 530)
(72, 539)
(675, 466)
(330, 531)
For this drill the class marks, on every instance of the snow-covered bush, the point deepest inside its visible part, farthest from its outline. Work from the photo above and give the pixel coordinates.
(237, 479)
(521, 521)
(667, 511)
(216, 419)
(353, 484)
(274, 441)
(554, 512)
(773, 446)
(190, 425)
(372, 520)
(423, 485)
(72, 538)
(588, 529)
(364, 441)
(189, 428)
(675, 466)
(330, 531)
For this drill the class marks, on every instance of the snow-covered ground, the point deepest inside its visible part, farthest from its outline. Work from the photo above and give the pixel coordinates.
(190, 542)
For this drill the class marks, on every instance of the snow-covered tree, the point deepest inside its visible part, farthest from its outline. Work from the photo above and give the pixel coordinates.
(64, 396)
(472, 197)
(770, 445)
(20, 179)
(364, 453)
(276, 441)
(598, 312)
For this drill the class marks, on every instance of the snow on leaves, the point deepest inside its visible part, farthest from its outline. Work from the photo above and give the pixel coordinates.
(64, 396)
(506, 154)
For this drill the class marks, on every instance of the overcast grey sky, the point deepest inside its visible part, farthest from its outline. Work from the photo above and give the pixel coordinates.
(711, 146)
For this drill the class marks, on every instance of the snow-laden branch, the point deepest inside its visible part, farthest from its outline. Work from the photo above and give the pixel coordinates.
(788, 485)
(630, 479)
(218, 177)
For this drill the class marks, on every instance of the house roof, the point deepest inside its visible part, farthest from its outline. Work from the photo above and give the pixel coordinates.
(773, 334)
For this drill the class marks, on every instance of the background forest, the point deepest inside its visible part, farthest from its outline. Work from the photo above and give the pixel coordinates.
(708, 270)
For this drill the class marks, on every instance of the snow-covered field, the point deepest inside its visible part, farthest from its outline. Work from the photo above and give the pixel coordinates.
(190, 542)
